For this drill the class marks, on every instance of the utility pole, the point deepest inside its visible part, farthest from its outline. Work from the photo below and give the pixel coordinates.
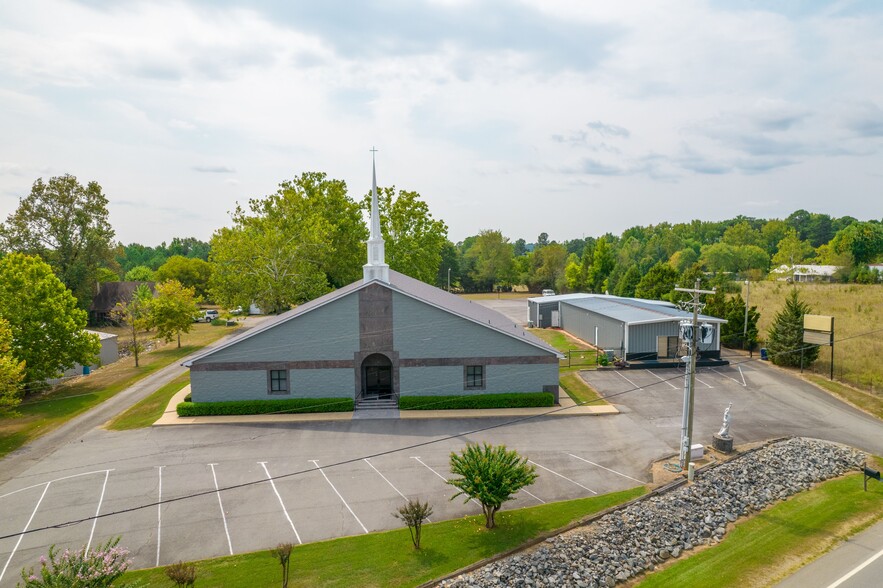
(690, 378)
(449, 280)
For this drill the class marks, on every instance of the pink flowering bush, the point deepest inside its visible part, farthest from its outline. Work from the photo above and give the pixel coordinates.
(97, 568)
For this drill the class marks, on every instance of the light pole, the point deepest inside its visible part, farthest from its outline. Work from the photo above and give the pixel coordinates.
(449, 280)
(745, 328)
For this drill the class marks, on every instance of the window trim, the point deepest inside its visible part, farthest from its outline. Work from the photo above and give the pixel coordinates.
(287, 389)
(467, 378)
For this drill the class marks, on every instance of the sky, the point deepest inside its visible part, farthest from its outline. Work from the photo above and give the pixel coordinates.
(572, 118)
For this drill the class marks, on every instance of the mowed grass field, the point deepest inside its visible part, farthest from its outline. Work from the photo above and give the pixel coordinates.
(858, 326)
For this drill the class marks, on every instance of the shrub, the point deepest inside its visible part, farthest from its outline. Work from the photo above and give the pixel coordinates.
(219, 322)
(182, 574)
(282, 552)
(288, 405)
(97, 568)
(414, 513)
(508, 400)
(491, 475)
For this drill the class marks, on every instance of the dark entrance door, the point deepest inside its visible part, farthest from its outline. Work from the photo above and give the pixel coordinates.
(377, 376)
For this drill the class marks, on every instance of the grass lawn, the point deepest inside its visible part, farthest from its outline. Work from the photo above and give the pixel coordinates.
(388, 558)
(37, 416)
(772, 544)
(148, 411)
(560, 340)
(867, 401)
(577, 388)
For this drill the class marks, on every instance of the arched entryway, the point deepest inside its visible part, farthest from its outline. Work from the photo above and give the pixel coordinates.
(377, 377)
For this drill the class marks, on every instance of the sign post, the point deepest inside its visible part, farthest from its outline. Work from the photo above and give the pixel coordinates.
(818, 330)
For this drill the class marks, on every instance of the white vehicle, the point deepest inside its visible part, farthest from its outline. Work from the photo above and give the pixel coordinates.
(206, 316)
(548, 292)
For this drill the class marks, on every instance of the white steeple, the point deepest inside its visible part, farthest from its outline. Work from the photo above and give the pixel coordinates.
(376, 268)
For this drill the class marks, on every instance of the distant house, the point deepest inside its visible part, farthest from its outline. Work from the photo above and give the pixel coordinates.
(107, 295)
(806, 273)
(109, 353)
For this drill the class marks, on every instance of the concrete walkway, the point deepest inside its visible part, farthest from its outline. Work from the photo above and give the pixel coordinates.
(567, 407)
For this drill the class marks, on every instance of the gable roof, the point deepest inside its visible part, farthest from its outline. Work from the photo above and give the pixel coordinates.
(582, 295)
(407, 286)
(637, 312)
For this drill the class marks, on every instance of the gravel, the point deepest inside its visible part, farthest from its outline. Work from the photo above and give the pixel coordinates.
(638, 537)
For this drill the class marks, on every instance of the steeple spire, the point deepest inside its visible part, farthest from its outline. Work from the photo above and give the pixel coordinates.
(376, 268)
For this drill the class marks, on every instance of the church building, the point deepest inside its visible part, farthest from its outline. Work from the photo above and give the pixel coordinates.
(378, 339)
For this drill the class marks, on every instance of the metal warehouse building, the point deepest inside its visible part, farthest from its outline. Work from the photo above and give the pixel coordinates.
(633, 328)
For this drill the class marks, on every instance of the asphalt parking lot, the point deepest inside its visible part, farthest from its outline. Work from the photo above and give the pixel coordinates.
(234, 507)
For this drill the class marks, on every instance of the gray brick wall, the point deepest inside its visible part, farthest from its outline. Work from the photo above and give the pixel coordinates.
(448, 380)
(252, 385)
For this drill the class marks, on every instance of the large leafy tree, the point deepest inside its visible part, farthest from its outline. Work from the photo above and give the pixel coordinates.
(790, 250)
(12, 370)
(491, 475)
(289, 247)
(550, 262)
(413, 239)
(66, 224)
(658, 283)
(785, 340)
(491, 259)
(47, 327)
(603, 262)
(190, 272)
(173, 309)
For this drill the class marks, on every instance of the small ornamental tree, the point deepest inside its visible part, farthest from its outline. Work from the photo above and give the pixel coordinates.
(491, 475)
(414, 513)
(282, 552)
(785, 340)
(173, 309)
(96, 568)
(135, 314)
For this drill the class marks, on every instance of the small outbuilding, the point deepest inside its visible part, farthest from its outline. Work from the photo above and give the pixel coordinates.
(632, 328)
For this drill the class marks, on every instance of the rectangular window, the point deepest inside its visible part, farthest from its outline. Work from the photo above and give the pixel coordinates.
(474, 377)
(278, 381)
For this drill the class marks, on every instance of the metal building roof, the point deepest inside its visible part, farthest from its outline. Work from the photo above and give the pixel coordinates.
(633, 311)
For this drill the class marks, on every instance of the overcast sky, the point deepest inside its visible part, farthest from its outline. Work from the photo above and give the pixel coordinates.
(569, 117)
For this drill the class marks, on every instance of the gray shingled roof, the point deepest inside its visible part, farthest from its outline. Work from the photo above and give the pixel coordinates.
(409, 287)
(636, 312)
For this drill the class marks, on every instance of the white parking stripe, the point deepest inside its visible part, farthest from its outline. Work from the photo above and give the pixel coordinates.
(703, 383)
(856, 570)
(221, 504)
(598, 465)
(316, 463)
(627, 380)
(537, 498)
(98, 510)
(663, 380)
(561, 476)
(55, 480)
(282, 504)
(159, 516)
(743, 375)
(728, 377)
(388, 482)
(439, 475)
(28, 524)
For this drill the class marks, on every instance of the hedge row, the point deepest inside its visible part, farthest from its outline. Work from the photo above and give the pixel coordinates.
(513, 400)
(289, 405)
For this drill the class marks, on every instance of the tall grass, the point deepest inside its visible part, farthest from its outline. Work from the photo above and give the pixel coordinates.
(858, 319)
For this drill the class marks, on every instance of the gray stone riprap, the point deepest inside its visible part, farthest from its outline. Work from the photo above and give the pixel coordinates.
(637, 538)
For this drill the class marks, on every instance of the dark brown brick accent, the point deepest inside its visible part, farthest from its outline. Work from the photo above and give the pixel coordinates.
(375, 319)
(458, 361)
(318, 364)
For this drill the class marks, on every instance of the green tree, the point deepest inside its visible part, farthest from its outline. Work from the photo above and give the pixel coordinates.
(140, 273)
(190, 272)
(289, 247)
(658, 283)
(449, 267)
(173, 309)
(136, 316)
(491, 254)
(785, 338)
(741, 234)
(628, 284)
(791, 250)
(12, 370)
(66, 224)
(551, 261)
(752, 260)
(414, 513)
(47, 327)
(684, 259)
(603, 262)
(413, 239)
(863, 240)
(719, 257)
(491, 475)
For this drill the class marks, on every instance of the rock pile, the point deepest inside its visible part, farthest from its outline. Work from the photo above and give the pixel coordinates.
(636, 538)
